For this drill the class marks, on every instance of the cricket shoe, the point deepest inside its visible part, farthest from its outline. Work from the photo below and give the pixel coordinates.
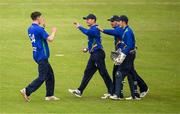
(75, 92)
(131, 98)
(23, 93)
(144, 93)
(106, 96)
(115, 97)
(51, 98)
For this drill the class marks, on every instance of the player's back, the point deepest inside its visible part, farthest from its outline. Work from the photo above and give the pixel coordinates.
(38, 39)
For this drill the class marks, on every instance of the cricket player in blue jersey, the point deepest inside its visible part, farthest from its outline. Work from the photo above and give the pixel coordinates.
(97, 57)
(39, 38)
(117, 32)
(126, 61)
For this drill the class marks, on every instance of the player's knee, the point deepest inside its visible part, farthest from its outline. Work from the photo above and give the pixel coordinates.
(104, 73)
(118, 74)
(135, 83)
(42, 78)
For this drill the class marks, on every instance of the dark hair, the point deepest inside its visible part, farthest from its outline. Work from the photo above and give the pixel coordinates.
(35, 15)
(124, 18)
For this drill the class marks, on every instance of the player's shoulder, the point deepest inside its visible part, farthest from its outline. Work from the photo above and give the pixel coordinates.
(119, 29)
(128, 29)
(35, 29)
(94, 27)
(40, 29)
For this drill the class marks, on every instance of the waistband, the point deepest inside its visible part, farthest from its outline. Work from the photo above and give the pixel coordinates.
(42, 61)
(98, 50)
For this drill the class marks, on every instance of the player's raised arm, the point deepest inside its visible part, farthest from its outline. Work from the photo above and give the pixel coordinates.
(52, 35)
(88, 32)
(76, 24)
(82, 29)
(97, 57)
(116, 31)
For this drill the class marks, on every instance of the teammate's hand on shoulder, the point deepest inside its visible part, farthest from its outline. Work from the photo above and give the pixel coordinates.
(100, 28)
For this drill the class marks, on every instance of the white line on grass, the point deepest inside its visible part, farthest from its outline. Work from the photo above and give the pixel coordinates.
(59, 55)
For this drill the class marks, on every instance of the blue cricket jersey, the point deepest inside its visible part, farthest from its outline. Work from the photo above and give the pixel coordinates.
(38, 37)
(117, 32)
(128, 40)
(94, 38)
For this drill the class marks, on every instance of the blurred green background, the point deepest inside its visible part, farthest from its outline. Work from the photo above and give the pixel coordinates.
(156, 24)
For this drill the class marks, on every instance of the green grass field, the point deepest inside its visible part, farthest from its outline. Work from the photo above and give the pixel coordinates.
(156, 24)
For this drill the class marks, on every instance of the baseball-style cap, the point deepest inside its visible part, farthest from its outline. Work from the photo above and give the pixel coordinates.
(123, 18)
(114, 18)
(90, 16)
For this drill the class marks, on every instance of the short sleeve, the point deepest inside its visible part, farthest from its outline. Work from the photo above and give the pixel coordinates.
(44, 34)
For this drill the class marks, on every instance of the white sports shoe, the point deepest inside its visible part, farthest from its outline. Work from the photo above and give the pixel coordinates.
(75, 92)
(143, 94)
(23, 93)
(106, 96)
(130, 98)
(115, 97)
(51, 98)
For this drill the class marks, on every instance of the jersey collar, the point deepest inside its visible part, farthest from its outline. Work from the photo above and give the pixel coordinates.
(35, 24)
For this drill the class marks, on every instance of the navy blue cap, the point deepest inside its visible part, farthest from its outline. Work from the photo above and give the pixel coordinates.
(114, 18)
(90, 16)
(123, 18)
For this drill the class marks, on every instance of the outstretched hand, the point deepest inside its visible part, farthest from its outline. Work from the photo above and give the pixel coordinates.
(76, 24)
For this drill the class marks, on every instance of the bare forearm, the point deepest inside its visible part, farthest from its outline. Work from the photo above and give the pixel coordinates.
(52, 35)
